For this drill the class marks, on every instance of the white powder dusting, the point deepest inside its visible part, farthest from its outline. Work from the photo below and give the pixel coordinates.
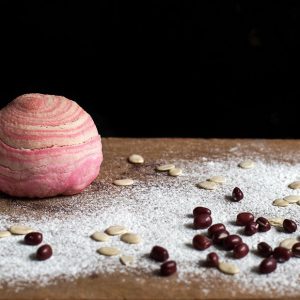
(159, 210)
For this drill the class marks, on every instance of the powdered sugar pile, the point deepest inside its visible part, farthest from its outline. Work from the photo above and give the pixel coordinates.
(159, 210)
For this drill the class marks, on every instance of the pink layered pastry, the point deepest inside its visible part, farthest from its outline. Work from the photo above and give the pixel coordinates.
(48, 146)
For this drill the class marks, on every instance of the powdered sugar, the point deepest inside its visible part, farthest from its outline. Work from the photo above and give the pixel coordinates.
(159, 210)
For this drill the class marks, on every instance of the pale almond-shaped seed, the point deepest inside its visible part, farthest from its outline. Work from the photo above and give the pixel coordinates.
(20, 229)
(292, 198)
(100, 236)
(280, 203)
(131, 238)
(124, 182)
(136, 159)
(175, 172)
(126, 259)
(288, 243)
(294, 185)
(116, 230)
(217, 179)
(4, 233)
(208, 185)
(109, 251)
(276, 222)
(163, 168)
(247, 164)
(228, 268)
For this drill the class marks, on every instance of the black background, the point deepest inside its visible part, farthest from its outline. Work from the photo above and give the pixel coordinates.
(160, 68)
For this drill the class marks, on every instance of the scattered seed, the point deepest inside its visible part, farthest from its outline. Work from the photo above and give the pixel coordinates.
(159, 253)
(243, 218)
(213, 229)
(288, 243)
(289, 226)
(201, 210)
(168, 268)
(33, 238)
(263, 224)
(296, 250)
(237, 194)
(201, 242)
(228, 268)
(280, 203)
(264, 249)
(292, 198)
(276, 222)
(126, 259)
(4, 233)
(202, 221)
(116, 230)
(175, 172)
(240, 250)
(131, 238)
(251, 228)
(268, 265)
(136, 159)
(208, 185)
(124, 182)
(282, 254)
(232, 241)
(212, 260)
(20, 229)
(100, 236)
(44, 252)
(163, 168)
(247, 164)
(294, 185)
(109, 251)
(217, 179)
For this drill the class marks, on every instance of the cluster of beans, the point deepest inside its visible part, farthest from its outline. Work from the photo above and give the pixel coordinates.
(272, 257)
(161, 254)
(35, 238)
(261, 224)
(218, 235)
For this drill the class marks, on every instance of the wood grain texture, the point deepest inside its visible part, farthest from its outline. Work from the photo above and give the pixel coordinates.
(137, 285)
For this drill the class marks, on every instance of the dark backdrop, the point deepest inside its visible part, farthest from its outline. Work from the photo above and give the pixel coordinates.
(160, 68)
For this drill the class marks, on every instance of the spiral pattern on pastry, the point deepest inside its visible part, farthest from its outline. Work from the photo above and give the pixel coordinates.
(48, 146)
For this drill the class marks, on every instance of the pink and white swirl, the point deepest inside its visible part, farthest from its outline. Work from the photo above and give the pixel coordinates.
(48, 146)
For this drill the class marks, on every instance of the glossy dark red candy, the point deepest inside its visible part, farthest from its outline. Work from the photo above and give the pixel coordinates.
(263, 224)
(264, 249)
(296, 250)
(201, 210)
(44, 252)
(159, 253)
(212, 260)
(213, 229)
(219, 237)
(240, 250)
(244, 218)
(289, 226)
(201, 242)
(281, 254)
(231, 241)
(237, 194)
(268, 265)
(251, 228)
(202, 221)
(168, 268)
(33, 238)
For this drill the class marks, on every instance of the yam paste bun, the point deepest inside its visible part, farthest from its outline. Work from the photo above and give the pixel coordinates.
(48, 146)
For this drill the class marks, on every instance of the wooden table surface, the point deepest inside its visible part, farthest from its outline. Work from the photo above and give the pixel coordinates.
(148, 286)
